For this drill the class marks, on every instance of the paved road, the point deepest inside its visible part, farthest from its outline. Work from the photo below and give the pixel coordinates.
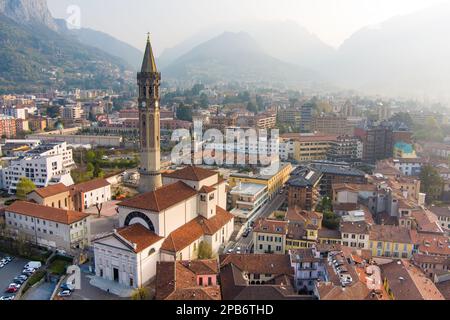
(41, 292)
(89, 292)
(246, 244)
(104, 225)
(9, 272)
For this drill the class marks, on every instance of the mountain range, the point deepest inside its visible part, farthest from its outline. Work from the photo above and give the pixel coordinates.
(406, 55)
(38, 53)
(235, 57)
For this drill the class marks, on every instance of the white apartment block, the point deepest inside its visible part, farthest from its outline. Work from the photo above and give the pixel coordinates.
(48, 227)
(47, 164)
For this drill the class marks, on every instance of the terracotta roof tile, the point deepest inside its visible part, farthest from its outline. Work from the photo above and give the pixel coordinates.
(139, 235)
(191, 173)
(51, 190)
(161, 199)
(271, 226)
(46, 213)
(206, 189)
(91, 185)
(275, 264)
(195, 229)
(178, 280)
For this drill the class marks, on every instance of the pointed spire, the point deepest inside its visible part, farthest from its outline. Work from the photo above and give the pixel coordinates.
(149, 64)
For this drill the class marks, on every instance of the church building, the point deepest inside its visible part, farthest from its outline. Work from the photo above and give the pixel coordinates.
(174, 213)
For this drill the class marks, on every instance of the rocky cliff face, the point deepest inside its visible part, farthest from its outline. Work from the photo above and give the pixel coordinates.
(28, 12)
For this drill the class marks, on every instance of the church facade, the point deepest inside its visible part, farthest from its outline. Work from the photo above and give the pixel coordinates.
(168, 221)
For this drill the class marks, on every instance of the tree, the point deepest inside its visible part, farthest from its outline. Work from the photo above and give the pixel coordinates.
(98, 172)
(90, 167)
(99, 207)
(331, 220)
(204, 251)
(140, 294)
(430, 183)
(91, 156)
(24, 187)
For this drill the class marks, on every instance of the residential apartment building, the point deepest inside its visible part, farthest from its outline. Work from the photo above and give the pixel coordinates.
(72, 112)
(378, 143)
(76, 197)
(48, 227)
(443, 215)
(246, 199)
(273, 182)
(390, 241)
(8, 127)
(345, 149)
(306, 117)
(303, 188)
(309, 268)
(44, 165)
(355, 234)
(332, 125)
(309, 147)
(269, 236)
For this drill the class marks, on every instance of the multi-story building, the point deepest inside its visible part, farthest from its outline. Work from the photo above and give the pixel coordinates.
(48, 227)
(72, 112)
(309, 268)
(246, 199)
(273, 182)
(46, 164)
(333, 173)
(355, 234)
(77, 197)
(378, 143)
(390, 241)
(257, 277)
(443, 215)
(345, 149)
(269, 236)
(196, 280)
(309, 147)
(8, 127)
(306, 117)
(290, 116)
(409, 167)
(303, 188)
(37, 123)
(332, 125)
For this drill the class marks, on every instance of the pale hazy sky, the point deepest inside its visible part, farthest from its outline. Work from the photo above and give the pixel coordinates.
(172, 21)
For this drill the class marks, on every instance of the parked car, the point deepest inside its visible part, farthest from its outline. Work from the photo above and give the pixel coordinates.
(65, 293)
(33, 265)
(19, 281)
(238, 250)
(4, 261)
(9, 259)
(12, 289)
(230, 251)
(2, 265)
(7, 298)
(246, 233)
(67, 286)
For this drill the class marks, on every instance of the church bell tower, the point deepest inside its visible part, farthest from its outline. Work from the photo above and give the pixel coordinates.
(149, 80)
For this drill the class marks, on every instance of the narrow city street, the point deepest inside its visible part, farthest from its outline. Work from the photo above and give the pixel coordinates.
(245, 244)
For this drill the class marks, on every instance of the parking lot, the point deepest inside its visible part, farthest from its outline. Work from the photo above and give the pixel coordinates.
(8, 272)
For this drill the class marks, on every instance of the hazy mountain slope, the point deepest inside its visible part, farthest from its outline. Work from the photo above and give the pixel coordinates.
(35, 57)
(106, 43)
(284, 40)
(406, 55)
(28, 11)
(235, 56)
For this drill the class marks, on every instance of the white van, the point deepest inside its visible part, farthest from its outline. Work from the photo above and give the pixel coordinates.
(33, 265)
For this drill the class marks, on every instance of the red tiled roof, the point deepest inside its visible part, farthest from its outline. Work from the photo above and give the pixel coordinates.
(274, 264)
(195, 229)
(206, 189)
(191, 173)
(271, 226)
(51, 190)
(161, 199)
(46, 213)
(139, 235)
(91, 185)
